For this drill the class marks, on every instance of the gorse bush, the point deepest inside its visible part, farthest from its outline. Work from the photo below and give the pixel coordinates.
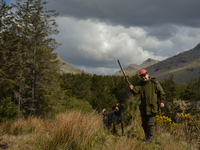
(188, 127)
(185, 117)
(191, 127)
(163, 120)
(166, 122)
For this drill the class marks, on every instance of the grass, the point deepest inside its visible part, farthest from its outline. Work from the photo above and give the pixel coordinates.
(75, 130)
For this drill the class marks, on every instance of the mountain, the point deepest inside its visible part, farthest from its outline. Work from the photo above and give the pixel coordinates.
(184, 66)
(134, 68)
(148, 62)
(67, 68)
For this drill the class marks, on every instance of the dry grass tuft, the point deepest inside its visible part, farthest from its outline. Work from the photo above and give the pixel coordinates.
(82, 131)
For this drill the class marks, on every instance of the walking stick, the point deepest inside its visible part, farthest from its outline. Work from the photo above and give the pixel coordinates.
(123, 72)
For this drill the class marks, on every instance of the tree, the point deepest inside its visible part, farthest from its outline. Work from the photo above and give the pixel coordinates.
(169, 87)
(36, 25)
(9, 44)
(28, 64)
(191, 92)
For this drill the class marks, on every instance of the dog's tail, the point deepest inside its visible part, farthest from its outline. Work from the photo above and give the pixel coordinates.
(103, 112)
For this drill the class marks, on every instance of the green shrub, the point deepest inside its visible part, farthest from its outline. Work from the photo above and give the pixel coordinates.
(129, 113)
(8, 110)
(78, 104)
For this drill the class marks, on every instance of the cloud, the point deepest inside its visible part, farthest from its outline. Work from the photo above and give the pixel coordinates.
(95, 44)
(95, 33)
(132, 12)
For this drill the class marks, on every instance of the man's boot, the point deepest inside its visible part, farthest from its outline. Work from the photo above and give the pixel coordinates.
(145, 132)
(150, 132)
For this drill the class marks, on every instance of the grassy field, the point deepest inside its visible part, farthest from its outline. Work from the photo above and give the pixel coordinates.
(75, 130)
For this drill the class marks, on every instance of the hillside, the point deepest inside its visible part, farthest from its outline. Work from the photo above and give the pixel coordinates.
(67, 68)
(133, 68)
(184, 66)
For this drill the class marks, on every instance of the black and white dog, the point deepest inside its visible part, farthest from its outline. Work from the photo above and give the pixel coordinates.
(114, 117)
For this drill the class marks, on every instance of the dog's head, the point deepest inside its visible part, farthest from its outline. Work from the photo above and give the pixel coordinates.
(118, 107)
(103, 112)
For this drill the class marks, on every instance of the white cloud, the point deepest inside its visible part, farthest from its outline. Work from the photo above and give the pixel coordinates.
(104, 31)
(100, 70)
(95, 44)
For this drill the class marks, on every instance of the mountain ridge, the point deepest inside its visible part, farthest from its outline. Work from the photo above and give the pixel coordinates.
(133, 68)
(65, 67)
(184, 66)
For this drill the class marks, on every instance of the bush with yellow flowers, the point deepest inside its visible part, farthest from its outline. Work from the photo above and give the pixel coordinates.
(191, 126)
(188, 127)
(165, 122)
(185, 117)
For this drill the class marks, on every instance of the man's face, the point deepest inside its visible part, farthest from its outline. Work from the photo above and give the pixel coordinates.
(144, 77)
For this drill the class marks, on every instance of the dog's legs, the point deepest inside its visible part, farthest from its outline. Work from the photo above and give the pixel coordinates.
(122, 126)
(114, 128)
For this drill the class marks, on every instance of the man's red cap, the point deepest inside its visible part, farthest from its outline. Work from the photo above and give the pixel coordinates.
(143, 71)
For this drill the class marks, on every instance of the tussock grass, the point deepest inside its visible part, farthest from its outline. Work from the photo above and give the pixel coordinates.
(74, 130)
(23, 126)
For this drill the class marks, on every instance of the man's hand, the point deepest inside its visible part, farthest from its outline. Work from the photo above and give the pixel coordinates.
(162, 105)
(131, 86)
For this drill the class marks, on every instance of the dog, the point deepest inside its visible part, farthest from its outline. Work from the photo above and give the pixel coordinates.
(114, 117)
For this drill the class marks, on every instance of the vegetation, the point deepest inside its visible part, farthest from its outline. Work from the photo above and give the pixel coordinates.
(28, 66)
(84, 131)
(40, 108)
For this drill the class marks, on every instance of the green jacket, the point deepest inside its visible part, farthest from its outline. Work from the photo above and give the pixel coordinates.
(151, 94)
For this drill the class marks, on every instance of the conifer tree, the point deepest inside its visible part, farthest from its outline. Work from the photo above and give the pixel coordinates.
(28, 65)
(6, 56)
(9, 64)
(169, 87)
(41, 69)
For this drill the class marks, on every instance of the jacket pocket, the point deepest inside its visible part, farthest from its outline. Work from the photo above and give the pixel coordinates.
(154, 108)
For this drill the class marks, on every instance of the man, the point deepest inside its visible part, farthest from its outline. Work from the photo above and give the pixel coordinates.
(151, 94)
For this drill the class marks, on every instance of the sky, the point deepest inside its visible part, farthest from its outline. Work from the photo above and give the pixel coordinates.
(7, 1)
(96, 33)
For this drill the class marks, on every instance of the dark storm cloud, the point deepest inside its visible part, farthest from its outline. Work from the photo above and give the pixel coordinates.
(162, 32)
(132, 12)
(95, 33)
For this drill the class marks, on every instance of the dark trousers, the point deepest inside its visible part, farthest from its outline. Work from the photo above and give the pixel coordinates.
(148, 125)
